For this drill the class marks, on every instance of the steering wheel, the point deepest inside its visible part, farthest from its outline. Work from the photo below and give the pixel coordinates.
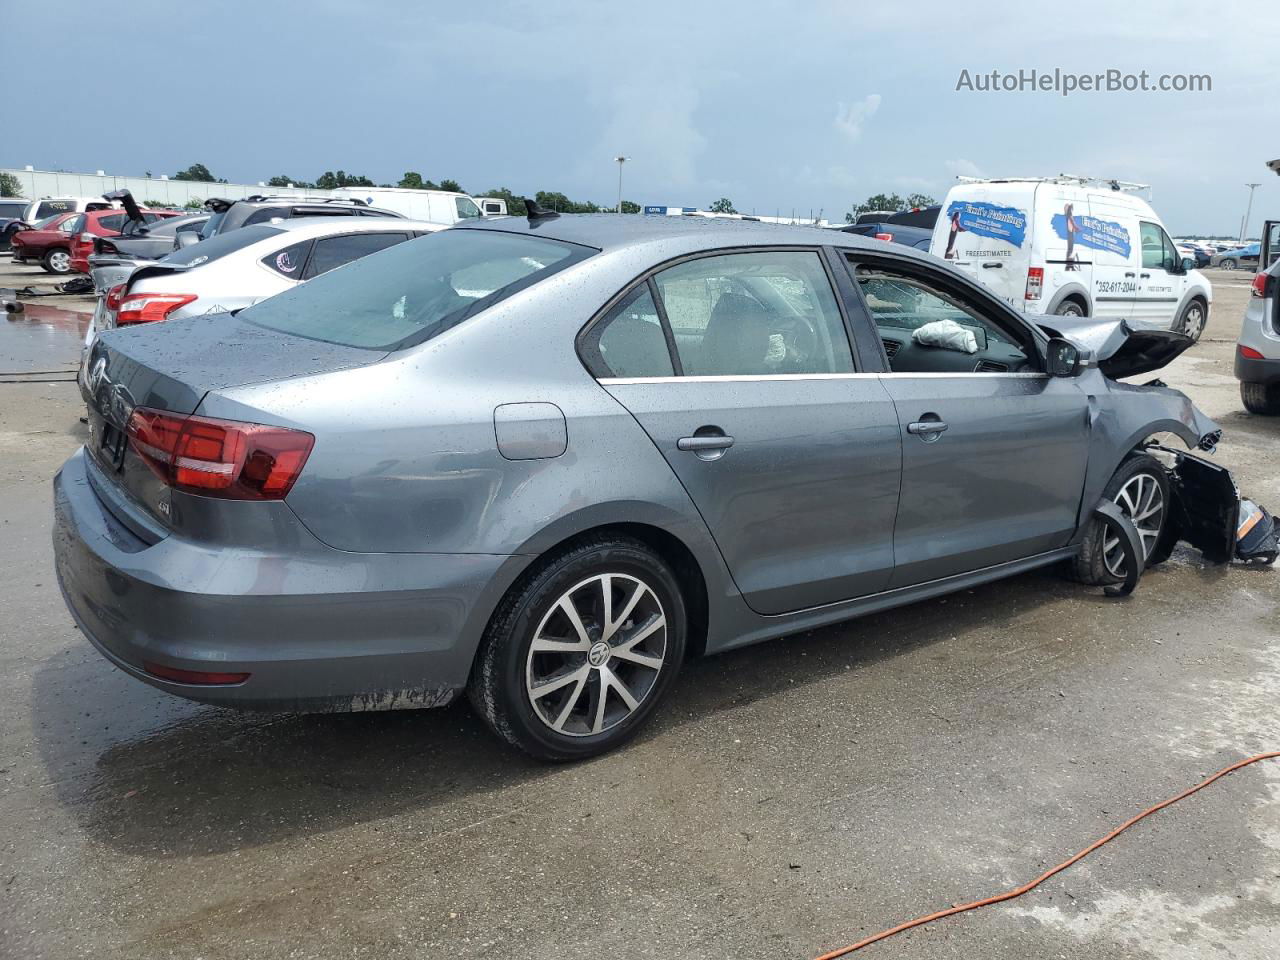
(800, 338)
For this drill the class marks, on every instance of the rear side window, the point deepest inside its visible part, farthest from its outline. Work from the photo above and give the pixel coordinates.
(629, 340)
(331, 252)
(217, 247)
(414, 291)
(48, 208)
(12, 211)
(113, 222)
(289, 261)
(750, 314)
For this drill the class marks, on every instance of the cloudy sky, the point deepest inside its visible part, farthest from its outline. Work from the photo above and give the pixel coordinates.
(779, 106)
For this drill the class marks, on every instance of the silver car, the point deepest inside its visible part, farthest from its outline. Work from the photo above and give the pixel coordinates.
(542, 461)
(1257, 365)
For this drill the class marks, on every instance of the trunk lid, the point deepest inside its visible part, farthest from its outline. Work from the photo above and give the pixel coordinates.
(171, 366)
(1118, 349)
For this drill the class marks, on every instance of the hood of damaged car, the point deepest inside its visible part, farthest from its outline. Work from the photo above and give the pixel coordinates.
(1118, 349)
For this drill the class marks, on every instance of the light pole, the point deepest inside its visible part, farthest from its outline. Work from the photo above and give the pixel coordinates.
(621, 161)
(1244, 227)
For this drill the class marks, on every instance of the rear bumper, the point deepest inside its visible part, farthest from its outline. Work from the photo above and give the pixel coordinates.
(1252, 370)
(316, 628)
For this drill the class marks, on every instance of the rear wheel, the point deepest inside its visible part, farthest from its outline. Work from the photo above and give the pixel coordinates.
(1140, 488)
(1069, 308)
(58, 261)
(579, 654)
(1227, 264)
(1261, 398)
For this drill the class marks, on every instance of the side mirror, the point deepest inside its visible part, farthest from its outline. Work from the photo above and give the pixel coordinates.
(186, 238)
(1188, 264)
(1062, 359)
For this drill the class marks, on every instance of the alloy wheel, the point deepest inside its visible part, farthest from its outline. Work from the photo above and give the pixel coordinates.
(60, 260)
(1142, 501)
(596, 654)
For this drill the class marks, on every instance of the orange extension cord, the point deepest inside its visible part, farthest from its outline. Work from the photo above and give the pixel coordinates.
(1019, 891)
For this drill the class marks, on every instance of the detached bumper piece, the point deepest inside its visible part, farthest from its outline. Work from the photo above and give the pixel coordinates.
(1209, 514)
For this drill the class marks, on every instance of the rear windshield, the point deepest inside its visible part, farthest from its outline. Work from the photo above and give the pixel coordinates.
(413, 291)
(214, 248)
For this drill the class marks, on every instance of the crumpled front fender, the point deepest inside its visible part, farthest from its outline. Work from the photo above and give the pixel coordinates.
(1123, 415)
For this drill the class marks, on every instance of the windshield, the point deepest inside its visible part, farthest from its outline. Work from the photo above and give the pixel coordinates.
(211, 225)
(413, 291)
(217, 247)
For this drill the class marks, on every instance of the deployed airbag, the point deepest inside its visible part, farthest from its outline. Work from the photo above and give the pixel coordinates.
(946, 334)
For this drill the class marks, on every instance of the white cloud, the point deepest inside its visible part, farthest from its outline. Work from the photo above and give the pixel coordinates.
(961, 167)
(851, 117)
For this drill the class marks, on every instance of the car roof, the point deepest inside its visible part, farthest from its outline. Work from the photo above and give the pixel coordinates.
(318, 226)
(613, 231)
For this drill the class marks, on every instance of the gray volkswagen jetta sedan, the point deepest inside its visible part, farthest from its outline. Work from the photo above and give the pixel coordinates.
(543, 461)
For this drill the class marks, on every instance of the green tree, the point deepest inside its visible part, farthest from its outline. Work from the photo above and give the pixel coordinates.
(919, 200)
(283, 181)
(723, 205)
(197, 172)
(554, 200)
(629, 207)
(329, 180)
(452, 186)
(891, 203)
(195, 203)
(412, 180)
(515, 205)
(10, 186)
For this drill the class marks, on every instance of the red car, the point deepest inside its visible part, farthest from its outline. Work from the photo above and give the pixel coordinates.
(48, 241)
(102, 223)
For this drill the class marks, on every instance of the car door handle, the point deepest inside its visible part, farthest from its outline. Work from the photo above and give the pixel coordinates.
(992, 265)
(700, 444)
(927, 429)
(1130, 274)
(1145, 276)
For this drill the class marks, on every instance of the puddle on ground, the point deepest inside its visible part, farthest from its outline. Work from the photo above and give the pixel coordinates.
(42, 338)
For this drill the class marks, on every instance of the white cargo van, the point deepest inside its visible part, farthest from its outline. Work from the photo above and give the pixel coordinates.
(1072, 246)
(437, 206)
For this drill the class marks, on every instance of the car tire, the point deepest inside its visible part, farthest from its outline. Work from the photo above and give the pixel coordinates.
(1100, 560)
(1070, 307)
(1193, 319)
(573, 666)
(57, 261)
(1262, 398)
(1227, 264)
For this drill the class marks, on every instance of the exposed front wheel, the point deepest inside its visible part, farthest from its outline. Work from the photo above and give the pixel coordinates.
(579, 655)
(58, 261)
(1140, 488)
(1193, 319)
(1263, 398)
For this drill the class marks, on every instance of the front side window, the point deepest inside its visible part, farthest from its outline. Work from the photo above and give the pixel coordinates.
(413, 291)
(466, 208)
(747, 314)
(1158, 251)
(629, 340)
(926, 329)
(332, 252)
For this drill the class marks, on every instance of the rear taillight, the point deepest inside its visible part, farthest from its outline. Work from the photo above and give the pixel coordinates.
(114, 296)
(886, 237)
(1259, 288)
(150, 307)
(219, 458)
(1035, 282)
(103, 246)
(87, 237)
(1251, 354)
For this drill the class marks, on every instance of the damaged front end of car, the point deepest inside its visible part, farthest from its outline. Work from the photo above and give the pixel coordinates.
(1208, 512)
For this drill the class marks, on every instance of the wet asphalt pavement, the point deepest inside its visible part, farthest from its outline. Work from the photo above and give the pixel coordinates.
(789, 798)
